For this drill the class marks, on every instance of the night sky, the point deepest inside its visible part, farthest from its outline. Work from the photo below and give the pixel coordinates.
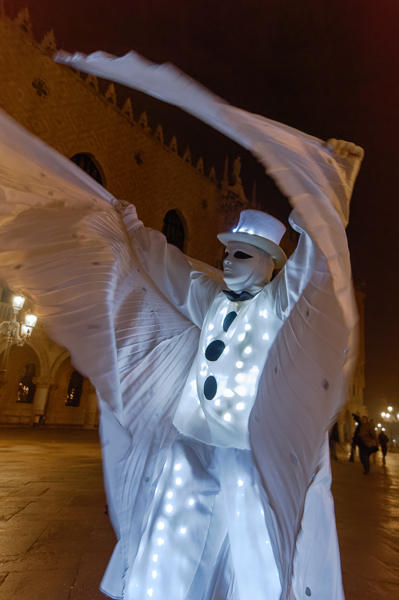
(329, 68)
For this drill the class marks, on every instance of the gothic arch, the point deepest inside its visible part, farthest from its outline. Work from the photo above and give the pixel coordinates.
(90, 165)
(175, 229)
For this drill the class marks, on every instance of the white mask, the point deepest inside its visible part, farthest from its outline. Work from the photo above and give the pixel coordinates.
(246, 267)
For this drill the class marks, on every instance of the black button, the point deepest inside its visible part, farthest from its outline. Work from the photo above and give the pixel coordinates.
(308, 592)
(214, 350)
(210, 387)
(228, 320)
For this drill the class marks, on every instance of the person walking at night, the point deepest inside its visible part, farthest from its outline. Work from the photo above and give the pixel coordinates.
(367, 442)
(383, 440)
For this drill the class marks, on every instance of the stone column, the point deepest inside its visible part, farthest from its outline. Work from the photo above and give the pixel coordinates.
(40, 399)
(91, 413)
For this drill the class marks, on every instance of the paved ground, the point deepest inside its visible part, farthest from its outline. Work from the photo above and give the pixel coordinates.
(55, 539)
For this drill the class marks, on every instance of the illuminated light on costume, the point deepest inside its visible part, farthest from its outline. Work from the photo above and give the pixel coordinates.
(262, 518)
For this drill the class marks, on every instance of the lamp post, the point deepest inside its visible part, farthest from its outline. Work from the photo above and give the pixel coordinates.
(15, 332)
(389, 418)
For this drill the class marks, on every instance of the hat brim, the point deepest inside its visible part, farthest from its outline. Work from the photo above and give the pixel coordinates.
(277, 253)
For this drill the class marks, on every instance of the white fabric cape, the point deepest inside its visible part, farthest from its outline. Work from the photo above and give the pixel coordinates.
(64, 245)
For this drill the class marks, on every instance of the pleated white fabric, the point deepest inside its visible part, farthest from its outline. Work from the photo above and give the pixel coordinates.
(64, 245)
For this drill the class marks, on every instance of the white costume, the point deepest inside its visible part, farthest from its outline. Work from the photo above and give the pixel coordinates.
(63, 243)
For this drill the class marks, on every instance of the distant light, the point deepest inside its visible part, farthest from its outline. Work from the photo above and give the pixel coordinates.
(248, 350)
(239, 364)
(383, 414)
(178, 481)
(240, 483)
(30, 320)
(379, 425)
(161, 525)
(227, 417)
(169, 508)
(169, 495)
(390, 409)
(383, 429)
(178, 467)
(191, 502)
(183, 530)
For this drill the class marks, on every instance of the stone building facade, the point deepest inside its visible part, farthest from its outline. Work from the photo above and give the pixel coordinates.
(82, 119)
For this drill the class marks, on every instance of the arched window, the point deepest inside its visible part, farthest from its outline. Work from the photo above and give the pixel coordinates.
(85, 162)
(26, 387)
(74, 389)
(173, 229)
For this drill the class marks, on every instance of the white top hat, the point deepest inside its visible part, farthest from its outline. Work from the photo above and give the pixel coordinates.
(261, 230)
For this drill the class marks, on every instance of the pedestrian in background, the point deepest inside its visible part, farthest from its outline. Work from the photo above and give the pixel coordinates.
(367, 442)
(383, 439)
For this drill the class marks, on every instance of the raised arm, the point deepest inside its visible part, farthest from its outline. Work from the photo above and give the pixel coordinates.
(190, 290)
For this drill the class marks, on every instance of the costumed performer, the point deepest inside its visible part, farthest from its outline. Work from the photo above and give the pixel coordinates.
(243, 485)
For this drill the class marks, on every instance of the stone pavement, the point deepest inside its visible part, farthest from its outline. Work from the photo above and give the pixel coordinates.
(55, 538)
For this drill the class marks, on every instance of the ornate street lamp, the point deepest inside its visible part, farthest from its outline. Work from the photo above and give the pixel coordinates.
(15, 332)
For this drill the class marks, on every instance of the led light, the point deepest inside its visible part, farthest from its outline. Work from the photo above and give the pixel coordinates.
(240, 378)
(178, 481)
(251, 232)
(240, 406)
(183, 530)
(265, 336)
(241, 337)
(211, 326)
(390, 409)
(228, 393)
(247, 327)
(155, 557)
(169, 508)
(154, 574)
(150, 592)
(239, 364)
(382, 414)
(217, 402)
(169, 495)
(227, 417)
(191, 502)
(379, 425)
(241, 390)
(248, 350)
(263, 313)
(383, 429)
(160, 541)
(240, 483)
(178, 467)
(161, 525)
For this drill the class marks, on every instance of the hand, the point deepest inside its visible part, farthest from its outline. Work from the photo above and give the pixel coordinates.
(344, 149)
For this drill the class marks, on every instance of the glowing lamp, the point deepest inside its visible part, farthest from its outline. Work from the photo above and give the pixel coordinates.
(25, 330)
(383, 414)
(390, 409)
(30, 320)
(18, 302)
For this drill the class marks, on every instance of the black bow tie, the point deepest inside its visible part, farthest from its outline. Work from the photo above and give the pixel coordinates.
(241, 297)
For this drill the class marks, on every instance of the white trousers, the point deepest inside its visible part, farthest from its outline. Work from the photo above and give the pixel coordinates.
(206, 538)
